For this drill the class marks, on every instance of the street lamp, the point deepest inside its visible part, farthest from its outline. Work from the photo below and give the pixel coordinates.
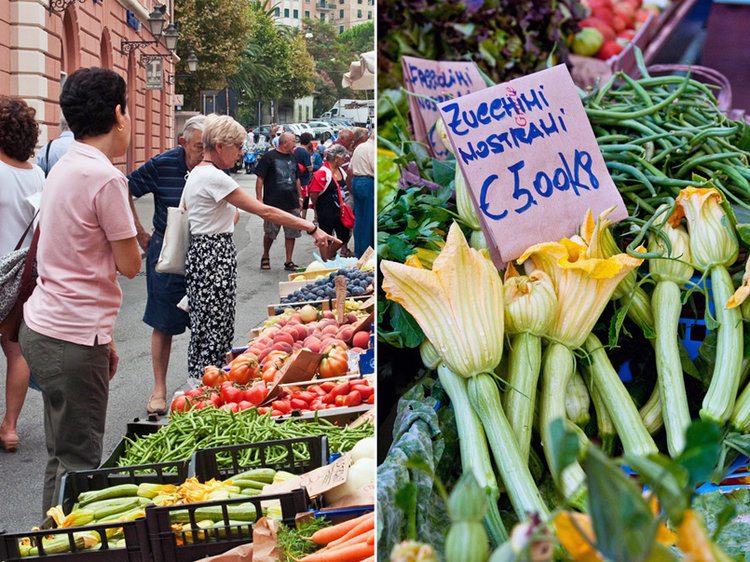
(192, 62)
(170, 37)
(156, 20)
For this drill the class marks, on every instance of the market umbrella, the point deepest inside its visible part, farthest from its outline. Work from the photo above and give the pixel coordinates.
(361, 75)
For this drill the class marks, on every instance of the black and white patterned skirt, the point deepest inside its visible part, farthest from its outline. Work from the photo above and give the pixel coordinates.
(211, 282)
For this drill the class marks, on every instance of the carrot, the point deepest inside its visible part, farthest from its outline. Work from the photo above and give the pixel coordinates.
(324, 536)
(370, 559)
(356, 539)
(354, 553)
(362, 527)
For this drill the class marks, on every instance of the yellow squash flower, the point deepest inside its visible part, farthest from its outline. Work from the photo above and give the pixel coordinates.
(530, 302)
(675, 265)
(741, 294)
(458, 304)
(584, 283)
(712, 239)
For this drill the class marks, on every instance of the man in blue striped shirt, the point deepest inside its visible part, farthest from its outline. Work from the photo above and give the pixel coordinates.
(164, 176)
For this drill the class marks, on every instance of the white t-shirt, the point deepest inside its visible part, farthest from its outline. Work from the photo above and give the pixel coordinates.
(17, 207)
(204, 194)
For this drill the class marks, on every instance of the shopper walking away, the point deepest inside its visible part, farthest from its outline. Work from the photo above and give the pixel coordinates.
(362, 169)
(86, 237)
(21, 184)
(278, 185)
(303, 156)
(212, 199)
(325, 193)
(164, 177)
(54, 149)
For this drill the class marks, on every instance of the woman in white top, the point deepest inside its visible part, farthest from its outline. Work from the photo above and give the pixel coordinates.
(20, 183)
(212, 198)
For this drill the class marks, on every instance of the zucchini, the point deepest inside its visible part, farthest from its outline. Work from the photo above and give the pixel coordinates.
(525, 360)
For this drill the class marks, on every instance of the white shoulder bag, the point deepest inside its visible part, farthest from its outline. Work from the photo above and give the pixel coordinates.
(176, 240)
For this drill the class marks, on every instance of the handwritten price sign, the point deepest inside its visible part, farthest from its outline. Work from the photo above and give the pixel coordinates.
(530, 160)
(441, 81)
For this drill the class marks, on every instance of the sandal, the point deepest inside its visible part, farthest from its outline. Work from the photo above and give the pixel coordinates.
(157, 405)
(291, 266)
(265, 263)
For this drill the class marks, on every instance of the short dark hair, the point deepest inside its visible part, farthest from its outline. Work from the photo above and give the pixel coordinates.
(19, 130)
(89, 98)
(305, 138)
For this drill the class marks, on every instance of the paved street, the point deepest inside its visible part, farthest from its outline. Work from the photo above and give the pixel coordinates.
(21, 472)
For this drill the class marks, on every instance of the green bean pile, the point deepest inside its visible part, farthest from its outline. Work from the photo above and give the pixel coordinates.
(659, 135)
(192, 430)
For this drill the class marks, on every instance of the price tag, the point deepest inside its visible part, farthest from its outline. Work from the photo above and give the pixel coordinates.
(440, 80)
(530, 159)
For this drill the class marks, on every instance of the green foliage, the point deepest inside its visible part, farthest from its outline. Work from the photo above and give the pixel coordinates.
(211, 29)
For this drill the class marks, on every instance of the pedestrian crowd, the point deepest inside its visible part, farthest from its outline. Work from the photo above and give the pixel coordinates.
(71, 219)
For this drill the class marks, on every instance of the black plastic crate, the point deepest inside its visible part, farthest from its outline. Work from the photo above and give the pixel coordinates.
(193, 543)
(134, 429)
(137, 546)
(279, 455)
(74, 483)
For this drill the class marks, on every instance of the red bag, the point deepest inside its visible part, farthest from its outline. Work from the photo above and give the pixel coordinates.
(346, 214)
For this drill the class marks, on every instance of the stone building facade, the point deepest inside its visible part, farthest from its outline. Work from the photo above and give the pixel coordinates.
(44, 41)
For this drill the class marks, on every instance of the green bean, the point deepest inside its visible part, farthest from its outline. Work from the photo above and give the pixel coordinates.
(702, 159)
(635, 172)
(639, 113)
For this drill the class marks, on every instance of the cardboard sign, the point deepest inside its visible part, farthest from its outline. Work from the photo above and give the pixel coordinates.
(440, 80)
(317, 481)
(531, 161)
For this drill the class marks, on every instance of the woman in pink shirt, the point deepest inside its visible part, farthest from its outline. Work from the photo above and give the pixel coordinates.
(87, 235)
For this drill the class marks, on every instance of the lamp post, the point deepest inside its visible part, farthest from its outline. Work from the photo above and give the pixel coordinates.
(192, 64)
(156, 21)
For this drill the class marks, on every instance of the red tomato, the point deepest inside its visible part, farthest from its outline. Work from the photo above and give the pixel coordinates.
(335, 363)
(180, 404)
(256, 394)
(213, 376)
(276, 413)
(199, 405)
(327, 386)
(329, 398)
(216, 399)
(245, 405)
(263, 410)
(316, 405)
(354, 398)
(298, 404)
(282, 406)
(231, 393)
(230, 407)
(340, 400)
(195, 391)
(364, 390)
(371, 399)
(341, 389)
(243, 369)
(306, 396)
(316, 389)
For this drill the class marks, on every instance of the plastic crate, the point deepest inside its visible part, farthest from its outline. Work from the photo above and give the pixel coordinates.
(341, 514)
(134, 429)
(137, 547)
(193, 543)
(74, 483)
(205, 462)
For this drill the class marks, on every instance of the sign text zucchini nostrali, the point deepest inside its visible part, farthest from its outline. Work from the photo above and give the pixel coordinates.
(530, 159)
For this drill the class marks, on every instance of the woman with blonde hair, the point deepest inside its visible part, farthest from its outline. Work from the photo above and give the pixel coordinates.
(212, 199)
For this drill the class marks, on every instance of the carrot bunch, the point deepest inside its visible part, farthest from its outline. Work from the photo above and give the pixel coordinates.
(350, 541)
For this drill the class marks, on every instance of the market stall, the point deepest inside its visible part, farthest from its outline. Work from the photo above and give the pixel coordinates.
(270, 457)
(562, 311)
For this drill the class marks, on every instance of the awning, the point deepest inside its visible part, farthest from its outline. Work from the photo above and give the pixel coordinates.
(361, 75)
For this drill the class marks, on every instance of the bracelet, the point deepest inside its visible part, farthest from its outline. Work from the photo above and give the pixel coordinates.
(313, 231)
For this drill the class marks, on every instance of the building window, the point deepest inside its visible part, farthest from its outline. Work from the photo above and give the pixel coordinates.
(369, 15)
(322, 17)
(286, 12)
(359, 14)
(295, 14)
(341, 14)
(341, 29)
(307, 14)
(277, 12)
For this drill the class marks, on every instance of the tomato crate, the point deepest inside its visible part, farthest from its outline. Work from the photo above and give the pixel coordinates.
(193, 541)
(136, 548)
(134, 429)
(298, 455)
(74, 483)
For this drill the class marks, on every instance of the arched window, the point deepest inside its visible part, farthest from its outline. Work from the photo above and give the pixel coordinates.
(105, 49)
(71, 42)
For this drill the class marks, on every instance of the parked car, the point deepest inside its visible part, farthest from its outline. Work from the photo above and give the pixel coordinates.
(322, 131)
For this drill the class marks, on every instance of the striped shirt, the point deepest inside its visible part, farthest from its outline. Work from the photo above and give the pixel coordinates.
(164, 176)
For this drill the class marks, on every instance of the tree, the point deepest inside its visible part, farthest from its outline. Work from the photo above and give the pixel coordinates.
(211, 29)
